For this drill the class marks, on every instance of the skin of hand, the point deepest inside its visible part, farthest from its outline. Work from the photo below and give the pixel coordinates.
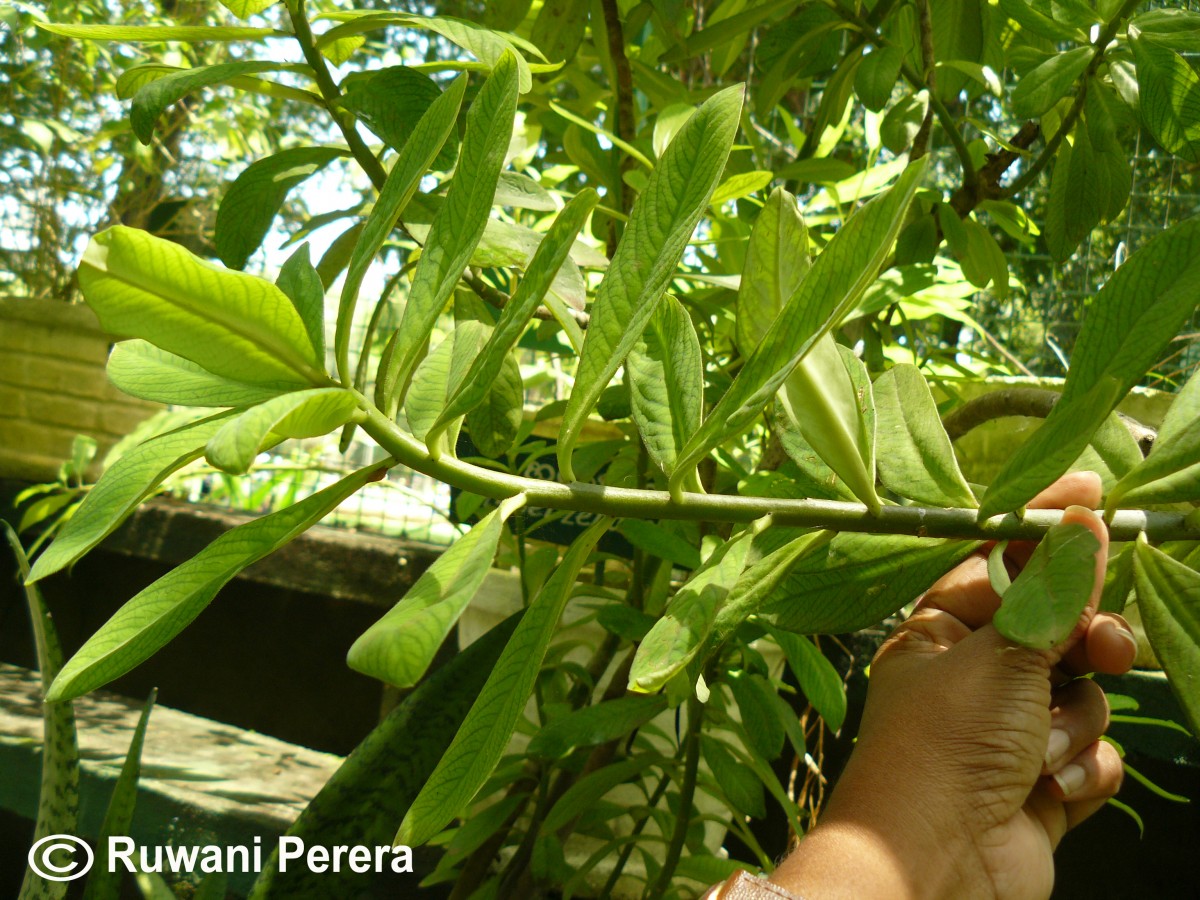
(974, 756)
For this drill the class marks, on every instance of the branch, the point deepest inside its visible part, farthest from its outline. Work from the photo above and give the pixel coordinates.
(920, 144)
(920, 521)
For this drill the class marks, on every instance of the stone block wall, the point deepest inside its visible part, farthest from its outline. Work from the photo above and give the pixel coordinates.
(53, 386)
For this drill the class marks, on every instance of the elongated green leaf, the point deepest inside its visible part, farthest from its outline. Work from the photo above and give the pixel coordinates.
(1169, 92)
(233, 325)
(1043, 603)
(153, 98)
(1118, 582)
(157, 34)
(1048, 83)
(256, 195)
(439, 374)
(877, 76)
(1176, 450)
(142, 370)
(591, 725)
(660, 226)
(103, 884)
(676, 637)
(741, 787)
(302, 284)
(1131, 319)
(372, 789)
(666, 383)
(1168, 594)
(828, 398)
(399, 647)
(457, 227)
(522, 192)
(481, 740)
(776, 262)
(126, 483)
(517, 313)
(494, 423)
(426, 141)
(58, 799)
(760, 709)
(918, 461)
(813, 478)
(301, 414)
(859, 579)
(815, 674)
(485, 45)
(392, 101)
(588, 790)
(155, 615)
(831, 288)
(244, 9)
(658, 541)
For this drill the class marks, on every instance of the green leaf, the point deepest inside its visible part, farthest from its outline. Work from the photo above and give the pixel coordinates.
(818, 679)
(756, 701)
(1028, 17)
(740, 185)
(399, 648)
(103, 883)
(776, 262)
(1040, 89)
(427, 139)
(485, 45)
(256, 196)
(858, 579)
(125, 484)
(547, 260)
(1175, 453)
(559, 29)
(485, 733)
(651, 246)
(157, 34)
(877, 76)
(740, 786)
(665, 371)
(849, 264)
(58, 798)
(142, 370)
(1169, 602)
(606, 721)
(439, 375)
(1169, 96)
(372, 789)
(827, 397)
(392, 101)
(155, 615)
(588, 790)
(300, 414)
(1118, 585)
(1090, 185)
(244, 9)
(1043, 604)
(150, 102)
(234, 325)
(519, 191)
(657, 541)
(918, 462)
(494, 423)
(1141, 308)
(302, 284)
(676, 637)
(903, 121)
(456, 229)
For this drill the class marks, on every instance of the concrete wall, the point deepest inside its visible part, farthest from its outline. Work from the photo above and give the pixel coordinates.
(53, 386)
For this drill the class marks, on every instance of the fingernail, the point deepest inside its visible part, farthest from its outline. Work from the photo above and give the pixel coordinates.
(1070, 779)
(1057, 746)
(1124, 634)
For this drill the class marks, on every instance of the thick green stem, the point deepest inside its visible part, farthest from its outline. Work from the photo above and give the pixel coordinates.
(626, 502)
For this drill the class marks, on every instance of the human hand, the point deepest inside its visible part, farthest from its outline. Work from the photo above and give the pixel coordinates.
(974, 756)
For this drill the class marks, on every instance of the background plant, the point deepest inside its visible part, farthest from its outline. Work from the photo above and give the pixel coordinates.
(734, 277)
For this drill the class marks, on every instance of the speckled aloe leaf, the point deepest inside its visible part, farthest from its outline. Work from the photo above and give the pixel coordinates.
(485, 732)
(1140, 309)
(125, 484)
(148, 621)
(400, 647)
(653, 242)
(58, 801)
